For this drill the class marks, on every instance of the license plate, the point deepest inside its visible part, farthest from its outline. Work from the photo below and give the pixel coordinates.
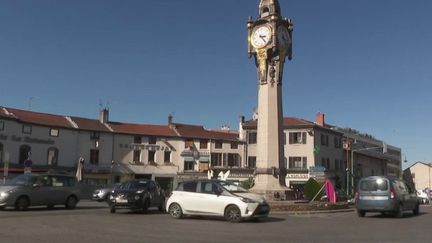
(373, 197)
(122, 200)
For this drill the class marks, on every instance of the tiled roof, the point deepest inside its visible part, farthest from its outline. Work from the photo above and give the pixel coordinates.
(287, 121)
(89, 124)
(40, 118)
(142, 129)
(192, 131)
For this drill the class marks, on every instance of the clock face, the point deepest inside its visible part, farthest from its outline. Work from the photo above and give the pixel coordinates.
(261, 36)
(283, 37)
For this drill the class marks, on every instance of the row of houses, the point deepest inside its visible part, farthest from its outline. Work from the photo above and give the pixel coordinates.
(116, 151)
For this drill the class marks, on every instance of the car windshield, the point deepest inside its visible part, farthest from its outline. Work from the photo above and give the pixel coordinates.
(22, 180)
(133, 185)
(374, 185)
(231, 187)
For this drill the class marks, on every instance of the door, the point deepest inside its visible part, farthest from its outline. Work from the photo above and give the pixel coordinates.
(212, 200)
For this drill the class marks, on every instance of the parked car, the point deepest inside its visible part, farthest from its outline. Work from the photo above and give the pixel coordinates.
(102, 194)
(137, 195)
(216, 198)
(385, 195)
(48, 189)
(423, 197)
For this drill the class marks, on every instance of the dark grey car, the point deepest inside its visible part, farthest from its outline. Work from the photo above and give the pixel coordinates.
(385, 195)
(48, 189)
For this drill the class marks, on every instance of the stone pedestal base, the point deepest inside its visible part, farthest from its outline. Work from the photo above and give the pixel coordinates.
(269, 187)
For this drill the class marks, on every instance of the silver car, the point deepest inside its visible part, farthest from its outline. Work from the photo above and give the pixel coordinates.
(385, 195)
(49, 190)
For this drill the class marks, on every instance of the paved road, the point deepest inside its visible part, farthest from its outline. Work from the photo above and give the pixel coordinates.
(92, 222)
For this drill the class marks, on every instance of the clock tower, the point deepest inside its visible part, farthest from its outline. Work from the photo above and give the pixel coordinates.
(270, 43)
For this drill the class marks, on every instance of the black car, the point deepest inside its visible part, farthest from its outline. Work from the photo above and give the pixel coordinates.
(137, 195)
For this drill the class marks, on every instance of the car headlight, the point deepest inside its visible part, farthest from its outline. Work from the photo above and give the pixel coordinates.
(247, 200)
(4, 194)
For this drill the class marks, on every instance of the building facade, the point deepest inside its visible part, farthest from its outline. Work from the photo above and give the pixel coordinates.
(307, 146)
(114, 151)
(419, 174)
(117, 151)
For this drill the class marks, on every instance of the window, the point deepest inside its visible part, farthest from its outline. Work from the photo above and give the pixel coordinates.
(297, 163)
(167, 157)
(284, 137)
(52, 157)
(95, 135)
(1, 125)
(325, 162)
(188, 186)
(234, 145)
(252, 138)
(24, 153)
(94, 156)
(26, 129)
(297, 138)
(218, 145)
(337, 142)
(216, 159)
(54, 132)
(233, 160)
(189, 165)
(251, 162)
(137, 155)
(152, 140)
(189, 143)
(138, 139)
(209, 188)
(324, 139)
(203, 144)
(151, 156)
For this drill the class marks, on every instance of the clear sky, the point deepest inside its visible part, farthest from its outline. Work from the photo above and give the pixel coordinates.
(365, 64)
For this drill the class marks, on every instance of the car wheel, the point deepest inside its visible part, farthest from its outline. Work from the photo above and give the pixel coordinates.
(71, 202)
(22, 203)
(233, 214)
(112, 209)
(175, 211)
(361, 213)
(399, 212)
(416, 210)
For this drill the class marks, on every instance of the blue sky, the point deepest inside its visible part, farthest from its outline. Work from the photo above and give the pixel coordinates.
(365, 64)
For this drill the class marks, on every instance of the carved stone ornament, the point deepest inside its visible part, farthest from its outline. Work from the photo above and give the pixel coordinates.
(262, 64)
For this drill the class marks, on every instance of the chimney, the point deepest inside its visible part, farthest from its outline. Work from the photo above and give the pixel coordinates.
(242, 119)
(320, 119)
(104, 114)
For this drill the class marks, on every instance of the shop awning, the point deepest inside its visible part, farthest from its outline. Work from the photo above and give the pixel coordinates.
(188, 159)
(204, 159)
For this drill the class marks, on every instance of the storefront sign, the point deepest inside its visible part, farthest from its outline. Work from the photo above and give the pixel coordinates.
(27, 139)
(297, 176)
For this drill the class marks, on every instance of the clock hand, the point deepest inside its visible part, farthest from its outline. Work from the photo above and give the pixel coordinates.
(263, 37)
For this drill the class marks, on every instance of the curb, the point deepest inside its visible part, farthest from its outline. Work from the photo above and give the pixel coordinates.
(312, 212)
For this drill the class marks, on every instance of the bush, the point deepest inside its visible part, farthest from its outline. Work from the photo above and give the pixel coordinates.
(311, 188)
(247, 184)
